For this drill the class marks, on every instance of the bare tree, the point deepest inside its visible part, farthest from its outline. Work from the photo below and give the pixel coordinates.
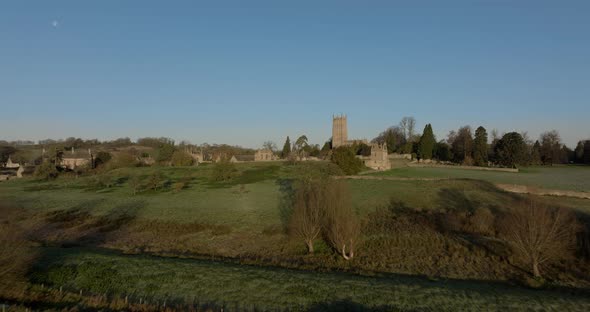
(408, 124)
(341, 222)
(269, 145)
(306, 219)
(539, 235)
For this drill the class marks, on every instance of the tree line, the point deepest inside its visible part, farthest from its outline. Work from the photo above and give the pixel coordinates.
(473, 148)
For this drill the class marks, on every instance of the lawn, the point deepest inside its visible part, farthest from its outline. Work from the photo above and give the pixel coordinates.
(273, 288)
(574, 178)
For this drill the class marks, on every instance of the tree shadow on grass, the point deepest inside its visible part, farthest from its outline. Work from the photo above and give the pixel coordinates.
(345, 305)
(286, 198)
(77, 226)
(455, 199)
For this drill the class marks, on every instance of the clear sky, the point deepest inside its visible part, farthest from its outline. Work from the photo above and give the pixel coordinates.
(245, 72)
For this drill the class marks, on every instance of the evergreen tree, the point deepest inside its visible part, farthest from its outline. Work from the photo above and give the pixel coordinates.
(427, 142)
(286, 148)
(511, 150)
(480, 152)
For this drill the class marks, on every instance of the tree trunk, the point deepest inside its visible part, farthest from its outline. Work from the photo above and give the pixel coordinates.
(345, 255)
(309, 244)
(536, 272)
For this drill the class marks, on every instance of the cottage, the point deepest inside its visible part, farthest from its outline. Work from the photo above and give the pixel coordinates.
(265, 155)
(74, 159)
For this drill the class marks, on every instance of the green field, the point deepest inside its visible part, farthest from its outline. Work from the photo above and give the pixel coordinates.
(574, 178)
(242, 219)
(253, 287)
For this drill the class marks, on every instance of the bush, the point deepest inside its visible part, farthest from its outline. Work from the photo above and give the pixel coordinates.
(346, 159)
(181, 158)
(135, 184)
(46, 170)
(155, 180)
(481, 222)
(101, 159)
(122, 160)
(223, 171)
(178, 186)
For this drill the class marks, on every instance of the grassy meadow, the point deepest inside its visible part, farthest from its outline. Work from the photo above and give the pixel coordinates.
(225, 241)
(560, 177)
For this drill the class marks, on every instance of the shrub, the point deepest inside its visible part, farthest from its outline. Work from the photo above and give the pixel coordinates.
(135, 184)
(346, 159)
(101, 159)
(155, 180)
(46, 170)
(481, 222)
(178, 186)
(181, 158)
(223, 170)
(122, 160)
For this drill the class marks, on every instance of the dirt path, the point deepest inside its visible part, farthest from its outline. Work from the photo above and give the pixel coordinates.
(513, 188)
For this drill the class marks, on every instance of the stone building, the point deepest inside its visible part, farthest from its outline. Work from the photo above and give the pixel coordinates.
(197, 156)
(10, 164)
(264, 155)
(340, 133)
(74, 159)
(379, 159)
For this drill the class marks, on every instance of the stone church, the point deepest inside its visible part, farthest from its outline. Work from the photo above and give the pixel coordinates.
(379, 158)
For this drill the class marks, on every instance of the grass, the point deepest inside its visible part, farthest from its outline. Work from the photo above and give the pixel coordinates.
(251, 201)
(241, 219)
(574, 178)
(273, 288)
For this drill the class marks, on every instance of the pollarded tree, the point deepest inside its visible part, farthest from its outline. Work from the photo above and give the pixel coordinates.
(480, 150)
(539, 235)
(427, 142)
(341, 223)
(308, 206)
(286, 148)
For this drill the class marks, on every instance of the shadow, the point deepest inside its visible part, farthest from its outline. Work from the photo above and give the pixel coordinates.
(456, 200)
(286, 198)
(345, 305)
(78, 227)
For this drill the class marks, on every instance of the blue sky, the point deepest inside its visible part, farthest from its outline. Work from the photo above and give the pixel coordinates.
(249, 71)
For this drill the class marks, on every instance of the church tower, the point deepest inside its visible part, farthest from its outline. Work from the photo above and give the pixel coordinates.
(339, 131)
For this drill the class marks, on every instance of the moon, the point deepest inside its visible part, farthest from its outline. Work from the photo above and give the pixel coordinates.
(54, 23)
